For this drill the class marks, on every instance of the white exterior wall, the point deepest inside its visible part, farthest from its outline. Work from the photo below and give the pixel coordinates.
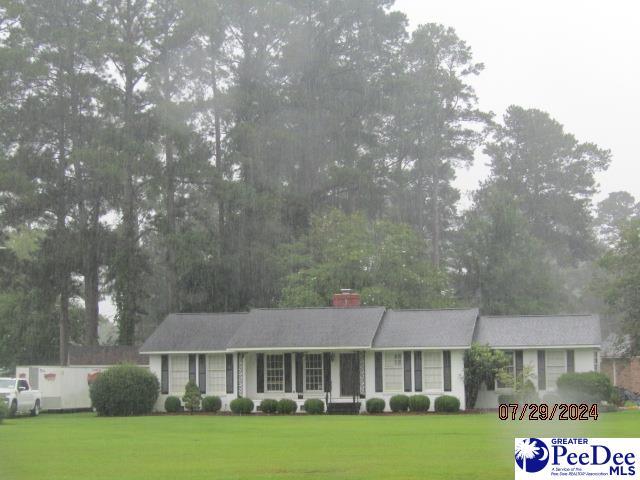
(457, 381)
(583, 362)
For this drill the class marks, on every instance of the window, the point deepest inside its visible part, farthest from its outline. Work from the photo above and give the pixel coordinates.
(192, 368)
(216, 373)
(274, 373)
(393, 373)
(313, 374)
(556, 366)
(595, 361)
(432, 370)
(22, 384)
(179, 372)
(510, 369)
(164, 374)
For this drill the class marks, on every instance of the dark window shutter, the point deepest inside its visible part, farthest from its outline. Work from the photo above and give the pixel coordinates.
(519, 366)
(229, 365)
(192, 368)
(417, 367)
(446, 364)
(542, 370)
(287, 372)
(260, 372)
(491, 383)
(326, 368)
(164, 374)
(378, 358)
(299, 373)
(407, 371)
(202, 373)
(571, 366)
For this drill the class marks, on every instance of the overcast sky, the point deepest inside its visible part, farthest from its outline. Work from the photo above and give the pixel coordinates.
(577, 60)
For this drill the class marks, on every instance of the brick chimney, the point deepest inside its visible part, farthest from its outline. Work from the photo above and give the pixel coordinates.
(346, 298)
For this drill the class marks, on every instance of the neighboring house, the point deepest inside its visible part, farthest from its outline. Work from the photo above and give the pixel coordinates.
(348, 353)
(619, 365)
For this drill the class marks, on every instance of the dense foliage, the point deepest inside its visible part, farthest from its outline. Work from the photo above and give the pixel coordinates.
(481, 366)
(585, 387)
(124, 390)
(269, 405)
(286, 406)
(211, 404)
(375, 405)
(419, 403)
(192, 396)
(172, 404)
(202, 156)
(399, 403)
(446, 403)
(4, 411)
(314, 406)
(241, 406)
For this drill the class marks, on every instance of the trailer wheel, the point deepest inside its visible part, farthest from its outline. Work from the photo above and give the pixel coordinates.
(36, 409)
(13, 409)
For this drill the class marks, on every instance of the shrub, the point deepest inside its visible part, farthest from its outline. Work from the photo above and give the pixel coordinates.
(4, 410)
(287, 406)
(419, 403)
(528, 393)
(269, 405)
(314, 406)
(124, 390)
(507, 398)
(399, 403)
(241, 405)
(192, 396)
(585, 386)
(211, 404)
(375, 405)
(447, 403)
(172, 404)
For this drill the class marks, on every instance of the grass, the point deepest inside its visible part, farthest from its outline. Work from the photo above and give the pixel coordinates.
(83, 446)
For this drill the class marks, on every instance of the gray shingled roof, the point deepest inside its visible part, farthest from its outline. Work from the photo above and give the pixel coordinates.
(538, 330)
(194, 332)
(105, 355)
(426, 328)
(308, 328)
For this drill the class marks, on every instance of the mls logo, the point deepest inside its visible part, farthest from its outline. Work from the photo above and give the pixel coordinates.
(531, 455)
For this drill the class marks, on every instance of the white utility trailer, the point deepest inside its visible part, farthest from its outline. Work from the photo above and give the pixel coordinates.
(62, 388)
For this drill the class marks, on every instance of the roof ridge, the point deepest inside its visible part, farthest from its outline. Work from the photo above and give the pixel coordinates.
(321, 308)
(542, 315)
(431, 309)
(210, 313)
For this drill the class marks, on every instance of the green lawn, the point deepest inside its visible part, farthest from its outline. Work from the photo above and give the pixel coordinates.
(82, 446)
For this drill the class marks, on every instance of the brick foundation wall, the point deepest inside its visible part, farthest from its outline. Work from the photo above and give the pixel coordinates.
(627, 374)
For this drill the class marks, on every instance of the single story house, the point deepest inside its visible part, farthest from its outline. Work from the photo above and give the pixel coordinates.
(348, 353)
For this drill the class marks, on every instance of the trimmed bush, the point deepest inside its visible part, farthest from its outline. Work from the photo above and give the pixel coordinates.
(447, 403)
(124, 390)
(314, 406)
(589, 387)
(287, 406)
(399, 403)
(211, 404)
(241, 405)
(269, 405)
(4, 410)
(192, 396)
(419, 403)
(375, 405)
(172, 404)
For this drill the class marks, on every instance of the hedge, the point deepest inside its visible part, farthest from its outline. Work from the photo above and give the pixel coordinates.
(399, 403)
(375, 405)
(241, 405)
(172, 404)
(4, 410)
(287, 406)
(211, 404)
(269, 405)
(314, 406)
(585, 386)
(124, 390)
(419, 403)
(446, 403)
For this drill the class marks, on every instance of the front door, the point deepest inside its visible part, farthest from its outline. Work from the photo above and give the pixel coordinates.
(349, 375)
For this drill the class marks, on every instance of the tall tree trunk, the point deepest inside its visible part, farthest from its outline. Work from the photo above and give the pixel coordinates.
(172, 276)
(92, 278)
(436, 227)
(63, 322)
